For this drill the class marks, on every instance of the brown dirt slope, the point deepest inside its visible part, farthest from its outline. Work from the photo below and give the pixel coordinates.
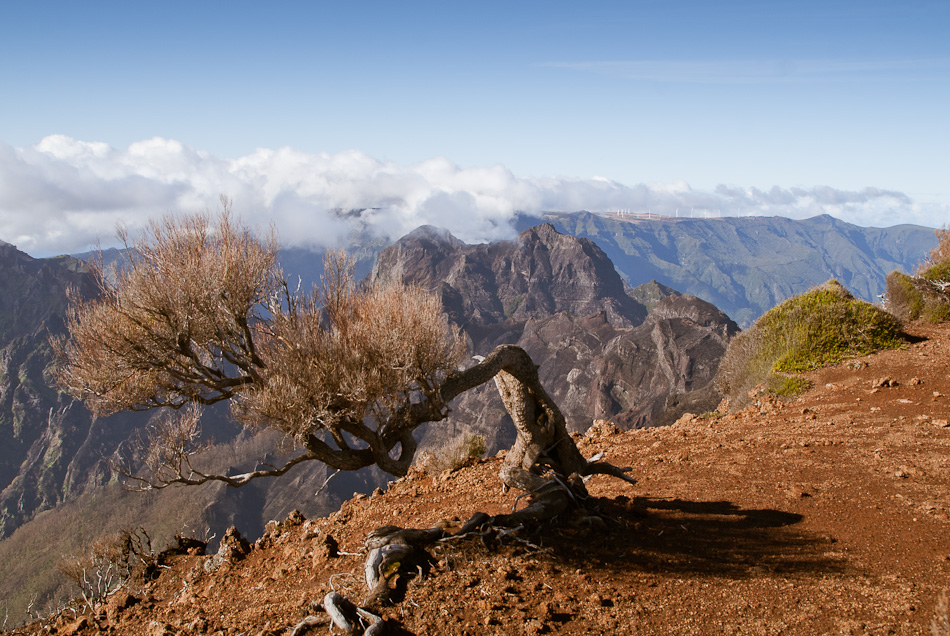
(824, 515)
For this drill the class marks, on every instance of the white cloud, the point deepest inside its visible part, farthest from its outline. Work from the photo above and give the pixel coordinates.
(64, 195)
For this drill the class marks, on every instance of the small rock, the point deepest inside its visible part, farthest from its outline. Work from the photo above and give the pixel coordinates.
(233, 548)
(602, 428)
(325, 547)
(120, 601)
(155, 628)
(76, 626)
(685, 418)
(295, 518)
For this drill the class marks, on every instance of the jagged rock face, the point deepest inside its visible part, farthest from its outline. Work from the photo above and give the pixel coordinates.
(599, 354)
(51, 447)
(540, 274)
(628, 375)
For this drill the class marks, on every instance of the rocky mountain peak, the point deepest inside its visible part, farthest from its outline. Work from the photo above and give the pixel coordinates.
(541, 273)
(696, 310)
(561, 298)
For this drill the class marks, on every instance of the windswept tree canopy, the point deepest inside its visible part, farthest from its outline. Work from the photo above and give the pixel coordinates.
(202, 312)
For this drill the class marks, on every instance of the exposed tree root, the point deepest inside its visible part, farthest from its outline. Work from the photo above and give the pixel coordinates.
(544, 462)
(393, 551)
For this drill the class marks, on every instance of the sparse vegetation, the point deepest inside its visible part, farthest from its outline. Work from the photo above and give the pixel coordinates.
(926, 294)
(818, 328)
(456, 454)
(203, 314)
(106, 566)
(788, 385)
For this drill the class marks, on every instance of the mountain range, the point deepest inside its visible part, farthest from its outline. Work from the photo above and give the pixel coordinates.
(745, 266)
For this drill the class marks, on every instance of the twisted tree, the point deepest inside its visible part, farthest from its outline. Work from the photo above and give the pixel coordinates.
(202, 313)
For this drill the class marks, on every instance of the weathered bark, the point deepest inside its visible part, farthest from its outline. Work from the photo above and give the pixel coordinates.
(542, 440)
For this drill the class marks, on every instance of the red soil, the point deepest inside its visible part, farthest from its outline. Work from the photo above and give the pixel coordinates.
(824, 515)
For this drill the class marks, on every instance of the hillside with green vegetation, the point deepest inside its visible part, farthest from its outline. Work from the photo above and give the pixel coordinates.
(816, 329)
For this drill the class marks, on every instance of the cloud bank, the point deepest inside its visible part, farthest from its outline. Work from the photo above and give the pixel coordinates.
(63, 195)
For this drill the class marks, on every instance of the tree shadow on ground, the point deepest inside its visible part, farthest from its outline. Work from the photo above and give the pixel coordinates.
(716, 538)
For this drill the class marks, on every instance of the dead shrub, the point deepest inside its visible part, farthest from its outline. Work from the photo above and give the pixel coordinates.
(107, 566)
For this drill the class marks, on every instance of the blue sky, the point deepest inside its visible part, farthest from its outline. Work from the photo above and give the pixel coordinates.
(825, 105)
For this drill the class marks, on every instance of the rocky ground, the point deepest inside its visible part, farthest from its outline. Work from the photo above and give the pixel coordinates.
(829, 514)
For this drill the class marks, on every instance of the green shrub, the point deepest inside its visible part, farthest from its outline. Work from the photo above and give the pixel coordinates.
(937, 272)
(787, 385)
(926, 294)
(818, 328)
(936, 311)
(904, 300)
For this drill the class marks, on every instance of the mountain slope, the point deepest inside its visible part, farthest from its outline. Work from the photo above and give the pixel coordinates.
(745, 266)
(599, 353)
(826, 515)
(537, 292)
(43, 440)
(54, 453)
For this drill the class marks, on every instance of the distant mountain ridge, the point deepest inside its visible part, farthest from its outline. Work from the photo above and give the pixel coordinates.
(745, 266)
